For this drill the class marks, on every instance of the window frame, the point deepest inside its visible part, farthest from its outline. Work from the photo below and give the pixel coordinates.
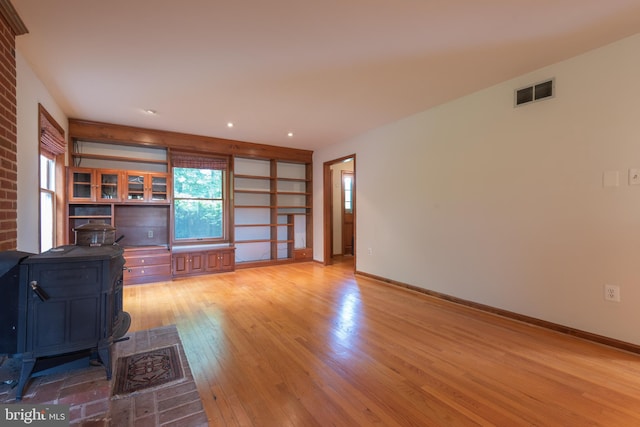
(226, 211)
(49, 189)
(52, 145)
(347, 202)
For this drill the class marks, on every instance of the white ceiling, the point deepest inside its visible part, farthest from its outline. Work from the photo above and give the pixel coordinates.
(325, 70)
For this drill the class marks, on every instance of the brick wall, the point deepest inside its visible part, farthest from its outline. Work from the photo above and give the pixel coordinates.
(8, 140)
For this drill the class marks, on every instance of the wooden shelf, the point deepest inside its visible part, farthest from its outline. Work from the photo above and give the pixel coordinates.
(260, 177)
(254, 191)
(294, 179)
(239, 242)
(293, 193)
(78, 155)
(253, 206)
(264, 225)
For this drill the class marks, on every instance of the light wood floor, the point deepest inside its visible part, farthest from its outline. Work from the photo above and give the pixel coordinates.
(307, 345)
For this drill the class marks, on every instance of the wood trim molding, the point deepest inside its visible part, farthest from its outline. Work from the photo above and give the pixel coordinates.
(326, 212)
(600, 339)
(129, 135)
(327, 208)
(10, 14)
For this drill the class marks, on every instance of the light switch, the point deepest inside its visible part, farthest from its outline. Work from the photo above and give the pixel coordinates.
(611, 179)
(634, 176)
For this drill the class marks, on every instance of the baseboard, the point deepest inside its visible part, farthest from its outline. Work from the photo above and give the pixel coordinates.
(600, 339)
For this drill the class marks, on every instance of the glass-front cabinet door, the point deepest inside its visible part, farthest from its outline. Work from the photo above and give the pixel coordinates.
(159, 188)
(94, 185)
(81, 185)
(135, 186)
(111, 186)
(146, 187)
(108, 184)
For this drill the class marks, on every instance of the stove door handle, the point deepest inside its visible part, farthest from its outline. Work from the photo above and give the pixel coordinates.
(39, 291)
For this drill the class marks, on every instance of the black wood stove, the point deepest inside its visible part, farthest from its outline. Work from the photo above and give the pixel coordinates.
(69, 301)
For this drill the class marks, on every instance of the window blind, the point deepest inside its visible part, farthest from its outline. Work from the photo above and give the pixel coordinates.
(198, 161)
(52, 142)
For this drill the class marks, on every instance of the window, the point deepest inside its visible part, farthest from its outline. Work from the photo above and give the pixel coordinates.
(52, 149)
(199, 198)
(347, 186)
(47, 202)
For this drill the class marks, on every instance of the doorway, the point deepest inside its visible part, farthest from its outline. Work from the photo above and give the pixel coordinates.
(346, 212)
(339, 209)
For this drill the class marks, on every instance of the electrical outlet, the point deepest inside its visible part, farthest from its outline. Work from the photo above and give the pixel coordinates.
(150, 234)
(369, 251)
(612, 293)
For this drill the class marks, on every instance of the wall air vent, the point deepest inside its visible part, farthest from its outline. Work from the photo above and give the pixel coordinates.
(536, 92)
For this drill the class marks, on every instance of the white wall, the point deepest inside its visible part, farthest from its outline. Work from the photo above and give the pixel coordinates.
(30, 92)
(506, 206)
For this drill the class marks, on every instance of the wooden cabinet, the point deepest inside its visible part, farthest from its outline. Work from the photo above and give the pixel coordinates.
(97, 194)
(220, 260)
(269, 202)
(186, 263)
(104, 185)
(80, 213)
(94, 185)
(146, 187)
(302, 254)
(146, 265)
(206, 261)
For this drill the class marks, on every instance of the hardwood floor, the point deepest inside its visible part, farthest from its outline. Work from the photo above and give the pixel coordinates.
(307, 345)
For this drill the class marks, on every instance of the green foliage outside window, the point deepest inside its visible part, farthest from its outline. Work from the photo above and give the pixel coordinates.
(198, 203)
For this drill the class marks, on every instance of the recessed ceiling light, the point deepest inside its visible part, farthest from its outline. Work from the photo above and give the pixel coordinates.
(151, 112)
(290, 134)
(229, 125)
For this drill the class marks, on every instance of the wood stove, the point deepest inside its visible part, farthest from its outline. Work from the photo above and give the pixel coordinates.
(70, 300)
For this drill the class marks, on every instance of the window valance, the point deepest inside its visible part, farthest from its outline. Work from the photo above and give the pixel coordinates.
(52, 142)
(181, 159)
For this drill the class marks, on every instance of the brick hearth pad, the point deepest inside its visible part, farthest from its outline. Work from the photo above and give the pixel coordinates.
(88, 393)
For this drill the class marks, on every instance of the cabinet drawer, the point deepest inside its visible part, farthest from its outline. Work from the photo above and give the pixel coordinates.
(150, 270)
(302, 254)
(141, 261)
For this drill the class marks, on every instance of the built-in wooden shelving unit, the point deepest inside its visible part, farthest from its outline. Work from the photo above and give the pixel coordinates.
(272, 211)
(117, 171)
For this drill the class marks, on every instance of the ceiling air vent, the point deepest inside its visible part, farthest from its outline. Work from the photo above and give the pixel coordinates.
(536, 92)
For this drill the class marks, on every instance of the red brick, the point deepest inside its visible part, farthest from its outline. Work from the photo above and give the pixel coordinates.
(144, 404)
(148, 421)
(84, 392)
(177, 389)
(48, 392)
(94, 423)
(91, 374)
(179, 400)
(8, 143)
(121, 412)
(195, 420)
(180, 412)
(100, 407)
(75, 412)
